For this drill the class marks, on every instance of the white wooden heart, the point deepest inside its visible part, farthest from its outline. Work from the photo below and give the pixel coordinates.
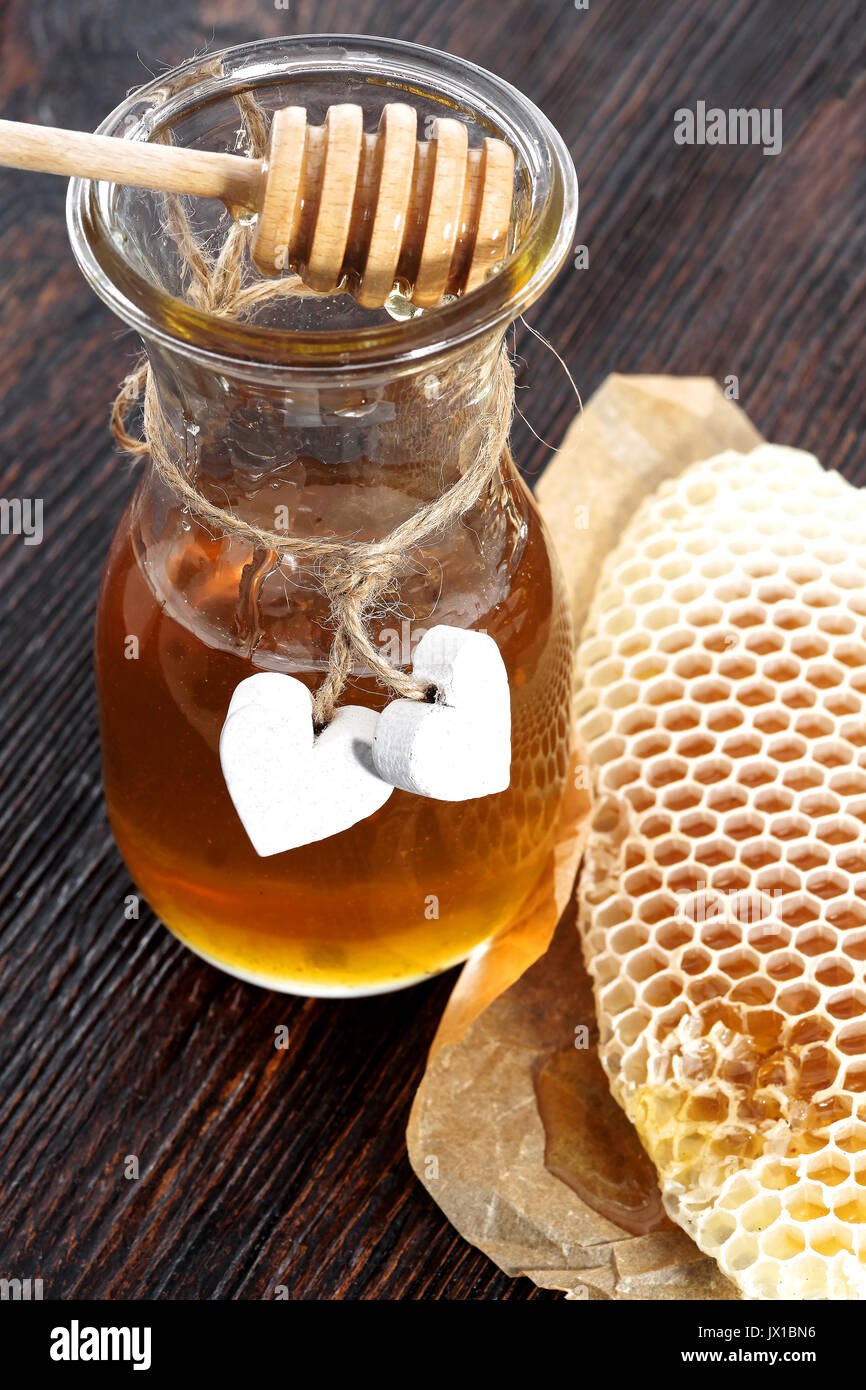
(459, 746)
(289, 786)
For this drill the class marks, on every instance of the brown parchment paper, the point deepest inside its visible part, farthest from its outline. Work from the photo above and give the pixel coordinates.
(475, 1135)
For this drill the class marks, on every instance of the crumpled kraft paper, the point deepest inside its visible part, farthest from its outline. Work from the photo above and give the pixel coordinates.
(576, 1209)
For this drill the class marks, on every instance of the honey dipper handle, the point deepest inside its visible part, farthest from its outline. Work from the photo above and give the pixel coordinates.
(233, 178)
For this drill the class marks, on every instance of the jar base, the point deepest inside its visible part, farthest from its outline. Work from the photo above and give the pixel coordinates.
(315, 990)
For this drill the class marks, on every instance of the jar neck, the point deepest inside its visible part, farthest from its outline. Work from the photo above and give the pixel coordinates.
(284, 457)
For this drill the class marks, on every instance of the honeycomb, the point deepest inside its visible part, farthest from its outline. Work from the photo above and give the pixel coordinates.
(723, 894)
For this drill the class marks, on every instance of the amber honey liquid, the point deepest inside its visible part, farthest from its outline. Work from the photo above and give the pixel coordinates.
(405, 893)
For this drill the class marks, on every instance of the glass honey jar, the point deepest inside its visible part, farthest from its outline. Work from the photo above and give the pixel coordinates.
(342, 422)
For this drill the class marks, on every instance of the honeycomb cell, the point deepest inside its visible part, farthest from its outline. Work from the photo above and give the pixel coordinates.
(846, 1003)
(641, 881)
(846, 914)
(783, 1242)
(852, 1040)
(798, 909)
(784, 965)
(851, 782)
(675, 640)
(661, 991)
(770, 937)
(730, 879)
(834, 971)
(759, 1213)
(742, 1251)
(723, 893)
(805, 857)
(760, 853)
(827, 884)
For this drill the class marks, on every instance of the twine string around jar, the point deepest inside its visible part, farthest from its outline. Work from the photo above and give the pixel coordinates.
(354, 575)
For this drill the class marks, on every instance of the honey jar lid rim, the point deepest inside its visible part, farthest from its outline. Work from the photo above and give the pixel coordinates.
(258, 351)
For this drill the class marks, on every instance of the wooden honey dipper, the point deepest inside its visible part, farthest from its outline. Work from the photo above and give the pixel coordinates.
(333, 203)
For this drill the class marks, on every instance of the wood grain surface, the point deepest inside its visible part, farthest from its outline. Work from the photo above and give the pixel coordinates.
(261, 1167)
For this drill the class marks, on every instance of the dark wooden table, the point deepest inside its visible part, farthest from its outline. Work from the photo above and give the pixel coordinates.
(260, 1167)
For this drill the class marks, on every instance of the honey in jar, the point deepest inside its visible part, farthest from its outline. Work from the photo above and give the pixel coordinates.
(326, 420)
